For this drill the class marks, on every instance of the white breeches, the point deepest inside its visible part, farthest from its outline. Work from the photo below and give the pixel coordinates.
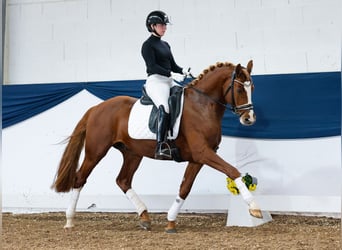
(158, 89)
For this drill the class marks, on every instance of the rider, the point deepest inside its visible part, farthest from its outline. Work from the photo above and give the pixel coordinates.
(160, 65)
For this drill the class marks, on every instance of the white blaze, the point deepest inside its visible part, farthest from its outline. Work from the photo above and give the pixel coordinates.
(248, 88)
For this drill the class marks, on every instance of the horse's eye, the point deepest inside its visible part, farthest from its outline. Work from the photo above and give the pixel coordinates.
(240, 90)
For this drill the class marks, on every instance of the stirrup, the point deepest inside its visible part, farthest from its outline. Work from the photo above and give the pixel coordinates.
(163, 151)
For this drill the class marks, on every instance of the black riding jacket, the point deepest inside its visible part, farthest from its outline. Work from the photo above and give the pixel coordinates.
(158, 57)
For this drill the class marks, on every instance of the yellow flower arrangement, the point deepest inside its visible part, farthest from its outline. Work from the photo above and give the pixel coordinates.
(251, 184)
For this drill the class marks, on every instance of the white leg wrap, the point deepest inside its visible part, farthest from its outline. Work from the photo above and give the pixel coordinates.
(174, 209)
(70, 212)
(138, 204)
(246, 195)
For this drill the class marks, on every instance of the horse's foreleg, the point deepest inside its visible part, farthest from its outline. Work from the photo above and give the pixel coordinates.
(188, 179)
(70, 212)
(254, 209)
(124, 180)
(210, 158)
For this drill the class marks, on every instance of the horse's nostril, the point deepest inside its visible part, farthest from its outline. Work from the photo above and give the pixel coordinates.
(247, 120)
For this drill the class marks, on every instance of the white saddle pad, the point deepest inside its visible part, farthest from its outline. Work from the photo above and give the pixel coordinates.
(139, 118)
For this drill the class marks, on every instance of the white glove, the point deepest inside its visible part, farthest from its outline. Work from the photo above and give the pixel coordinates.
(177, 77)
(186, 72)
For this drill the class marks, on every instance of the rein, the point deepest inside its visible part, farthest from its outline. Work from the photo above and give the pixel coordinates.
(235, 109)
(207, 96)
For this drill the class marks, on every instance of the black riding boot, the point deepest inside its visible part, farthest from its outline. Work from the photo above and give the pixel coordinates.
(163, 149)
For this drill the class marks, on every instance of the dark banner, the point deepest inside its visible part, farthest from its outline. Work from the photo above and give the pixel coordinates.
(288, 106)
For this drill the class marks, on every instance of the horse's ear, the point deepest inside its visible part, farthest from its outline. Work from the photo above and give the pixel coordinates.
(238, 69)
(250, 66)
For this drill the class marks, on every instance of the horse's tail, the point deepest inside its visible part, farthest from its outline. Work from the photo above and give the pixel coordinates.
(66, 173)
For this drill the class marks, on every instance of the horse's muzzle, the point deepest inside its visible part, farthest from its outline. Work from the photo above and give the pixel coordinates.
(248, 118)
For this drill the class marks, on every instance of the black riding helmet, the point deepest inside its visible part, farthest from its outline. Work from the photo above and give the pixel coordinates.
(156, 17)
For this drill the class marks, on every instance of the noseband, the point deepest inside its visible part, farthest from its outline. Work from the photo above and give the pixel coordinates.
(233, 107)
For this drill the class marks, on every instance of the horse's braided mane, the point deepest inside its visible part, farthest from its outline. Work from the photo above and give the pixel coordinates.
(210, 68)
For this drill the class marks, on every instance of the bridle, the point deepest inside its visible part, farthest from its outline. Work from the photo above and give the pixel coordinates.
(233, 107)
(236, 109)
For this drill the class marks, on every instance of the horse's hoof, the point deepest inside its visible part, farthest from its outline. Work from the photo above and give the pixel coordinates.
(171, 227)
(69, 225)
(68, 228)
(146, 225)
(170, 230)
(256, 213)
(145, 221)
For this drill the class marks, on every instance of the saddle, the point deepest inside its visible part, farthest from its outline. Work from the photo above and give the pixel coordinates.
(174, 103)
(174, 107)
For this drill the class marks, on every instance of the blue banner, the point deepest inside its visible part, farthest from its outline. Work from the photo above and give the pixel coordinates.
(288, 106)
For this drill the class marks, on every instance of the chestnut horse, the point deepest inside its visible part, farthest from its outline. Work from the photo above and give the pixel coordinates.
(106, 125)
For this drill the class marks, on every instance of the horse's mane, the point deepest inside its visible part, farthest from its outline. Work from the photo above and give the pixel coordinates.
(210, 68)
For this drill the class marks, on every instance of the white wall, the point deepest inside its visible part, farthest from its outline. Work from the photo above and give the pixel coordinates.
(95, 40)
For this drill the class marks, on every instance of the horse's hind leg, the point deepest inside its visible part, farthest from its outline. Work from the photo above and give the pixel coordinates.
(81, 177)
(130, 164)
(70, 212)
(189, 177)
